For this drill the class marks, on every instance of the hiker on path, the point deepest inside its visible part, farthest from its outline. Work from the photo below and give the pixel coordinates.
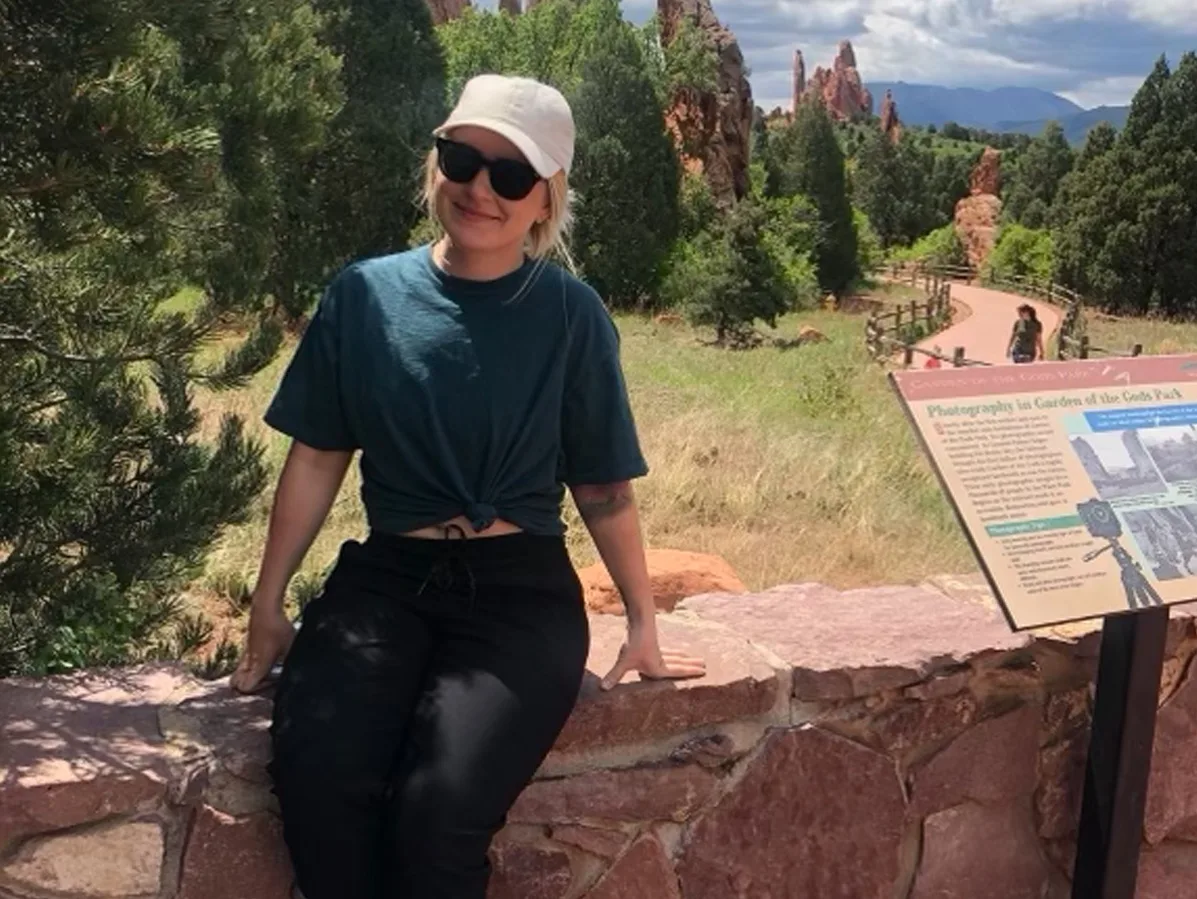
(1026, 337)
(436, 669)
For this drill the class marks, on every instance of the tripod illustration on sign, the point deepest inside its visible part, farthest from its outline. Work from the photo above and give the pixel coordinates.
(1101, 522)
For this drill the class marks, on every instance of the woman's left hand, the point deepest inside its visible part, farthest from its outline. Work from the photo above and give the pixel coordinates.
(642, 652)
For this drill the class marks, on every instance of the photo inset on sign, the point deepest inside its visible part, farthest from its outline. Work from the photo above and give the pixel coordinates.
(1174, 451)
(1167, 538)
(1118, 464)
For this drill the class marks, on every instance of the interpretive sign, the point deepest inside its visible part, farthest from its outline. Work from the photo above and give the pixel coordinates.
(1076, 482)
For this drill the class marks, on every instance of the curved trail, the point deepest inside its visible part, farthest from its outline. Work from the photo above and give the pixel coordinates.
(985, 333)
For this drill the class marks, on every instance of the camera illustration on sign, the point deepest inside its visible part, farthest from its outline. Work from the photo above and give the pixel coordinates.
(1099, 518)
(1075, 482)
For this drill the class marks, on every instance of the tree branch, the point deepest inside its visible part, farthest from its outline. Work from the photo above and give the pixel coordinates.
(27, 340)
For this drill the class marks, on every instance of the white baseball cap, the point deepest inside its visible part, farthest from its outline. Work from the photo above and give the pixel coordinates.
(533, 116)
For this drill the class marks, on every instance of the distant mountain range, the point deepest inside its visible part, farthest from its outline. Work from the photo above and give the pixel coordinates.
(1024, 110)
(1076, 127)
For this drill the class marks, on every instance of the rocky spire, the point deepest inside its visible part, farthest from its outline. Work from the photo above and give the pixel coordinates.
(715, 126)
(799, 85)
(845, 57)
(890, 123)
(978, 214)
(510, 6)
(840, 87)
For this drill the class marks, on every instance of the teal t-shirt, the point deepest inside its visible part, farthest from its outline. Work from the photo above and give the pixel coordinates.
(468, 398)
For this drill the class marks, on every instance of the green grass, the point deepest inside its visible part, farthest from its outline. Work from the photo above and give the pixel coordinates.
(793, 464)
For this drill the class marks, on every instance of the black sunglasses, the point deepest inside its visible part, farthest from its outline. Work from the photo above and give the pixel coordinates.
(511, 179)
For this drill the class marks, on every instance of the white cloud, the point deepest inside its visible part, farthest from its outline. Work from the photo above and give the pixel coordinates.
(1115, 91)
(1092, 51)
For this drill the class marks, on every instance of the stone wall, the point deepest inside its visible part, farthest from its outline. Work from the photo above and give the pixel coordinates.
(872, 744)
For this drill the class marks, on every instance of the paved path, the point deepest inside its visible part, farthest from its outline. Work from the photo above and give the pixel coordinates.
(985, 333)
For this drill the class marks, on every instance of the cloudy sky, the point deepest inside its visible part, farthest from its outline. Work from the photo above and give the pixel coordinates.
(1092, 51)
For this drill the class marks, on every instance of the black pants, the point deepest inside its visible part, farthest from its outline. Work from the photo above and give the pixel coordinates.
(426, 685)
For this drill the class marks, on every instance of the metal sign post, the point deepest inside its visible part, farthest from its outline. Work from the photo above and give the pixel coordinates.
(1119, 763)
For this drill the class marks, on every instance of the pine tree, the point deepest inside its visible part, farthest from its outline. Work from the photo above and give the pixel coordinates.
(116, 191)
(726, 278)
(892, 186)
(878, 186)
(1035, 181)
(627, 173)
(948, 185)
(805, 159)
(1148, 103)
(1128, 220)
(394, 81)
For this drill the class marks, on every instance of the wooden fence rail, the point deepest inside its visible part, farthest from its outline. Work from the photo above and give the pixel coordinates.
(908, 323)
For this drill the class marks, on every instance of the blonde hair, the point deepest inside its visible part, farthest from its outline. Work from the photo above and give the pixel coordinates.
(544, 238)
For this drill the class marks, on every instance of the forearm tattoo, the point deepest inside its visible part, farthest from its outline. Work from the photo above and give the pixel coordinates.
(603, 500)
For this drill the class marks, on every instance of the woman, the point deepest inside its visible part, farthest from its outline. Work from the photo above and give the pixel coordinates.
(1026, 338)
(433, 674)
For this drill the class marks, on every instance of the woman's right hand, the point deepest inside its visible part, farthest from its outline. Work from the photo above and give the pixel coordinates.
(269, 638)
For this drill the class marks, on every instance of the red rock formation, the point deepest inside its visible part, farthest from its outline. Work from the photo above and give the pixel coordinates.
(987, 175)
(799, 85)
(840, 87)
(675, 575)
(977, 215)
(890, 123)
(712, 128)
(512, 7)
(446, 10)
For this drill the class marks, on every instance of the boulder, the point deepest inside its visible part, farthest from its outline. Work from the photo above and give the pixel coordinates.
(809, 334)
(674, 574)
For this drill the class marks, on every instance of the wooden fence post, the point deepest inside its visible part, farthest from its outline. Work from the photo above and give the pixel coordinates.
(1085, 347)
(908, 356)
(930, 313)
(897, 317)
(1137, 349)
(914, 311)
(958, 357)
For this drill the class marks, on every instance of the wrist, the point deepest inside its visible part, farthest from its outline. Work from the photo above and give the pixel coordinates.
(641, 615)
(268, 600)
